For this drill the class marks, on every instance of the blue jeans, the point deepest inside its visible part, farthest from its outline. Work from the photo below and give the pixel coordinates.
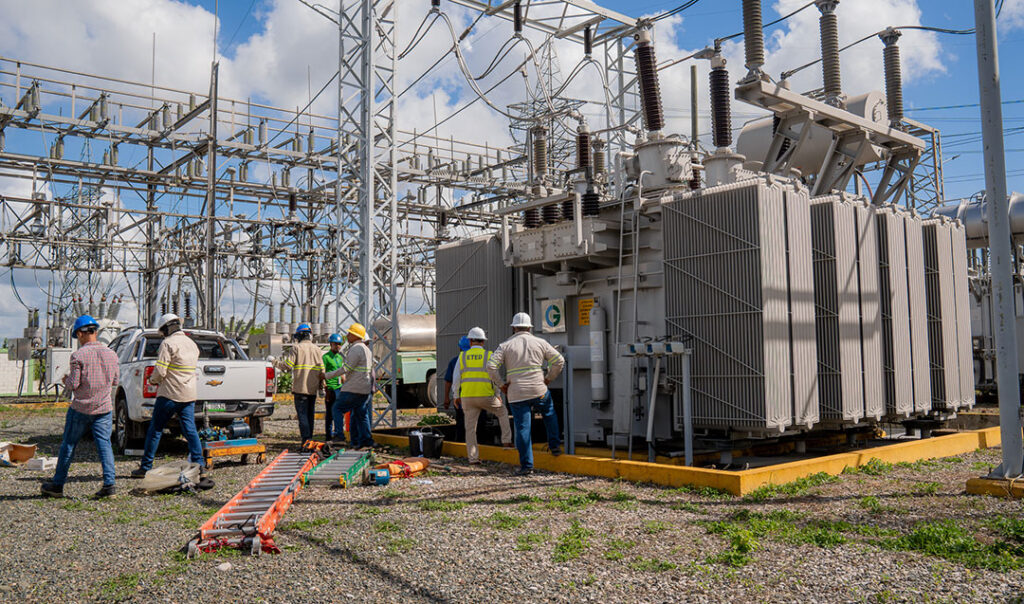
(522, 418)
(359, 423)
(305, 408)
(75, 425)
(329, 397)
(163, 410)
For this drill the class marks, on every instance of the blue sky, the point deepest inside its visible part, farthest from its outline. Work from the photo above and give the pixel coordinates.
(956, 86)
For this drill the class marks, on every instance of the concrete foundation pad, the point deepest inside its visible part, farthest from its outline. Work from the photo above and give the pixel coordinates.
(735, 482)
(995, 487)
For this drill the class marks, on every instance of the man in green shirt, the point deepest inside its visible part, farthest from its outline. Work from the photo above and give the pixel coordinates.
(332, 360)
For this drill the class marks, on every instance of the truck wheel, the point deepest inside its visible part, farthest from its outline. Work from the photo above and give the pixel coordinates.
(124, 428)
(427, 393)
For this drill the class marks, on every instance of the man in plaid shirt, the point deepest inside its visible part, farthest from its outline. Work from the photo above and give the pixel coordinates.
(92, 377)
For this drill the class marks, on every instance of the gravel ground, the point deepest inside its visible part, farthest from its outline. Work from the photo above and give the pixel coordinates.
(479, 534)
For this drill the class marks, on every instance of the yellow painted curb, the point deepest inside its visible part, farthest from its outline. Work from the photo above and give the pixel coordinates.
(1013, 489)
(736, 482)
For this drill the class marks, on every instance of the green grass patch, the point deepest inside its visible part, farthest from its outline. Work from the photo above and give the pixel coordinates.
(440, 506)
(653, 527)
(574, 502)
(800, 486)
(981, 466)
(437, 419)
(1011, 527)
(652, 565)
(400, 544)
(741, 545)
(503, 521)
(687, 506)
(74, 505)
(707, 492)
(619, 495)
(530, 541)
(873, 467)
(526, 499)
(393, 494)
(179, 564)
(371, 511)
(952, 460)
(119, 588)
(572, 543)
(617, 548)
(926, 488)
(946, 539)
(387, 526)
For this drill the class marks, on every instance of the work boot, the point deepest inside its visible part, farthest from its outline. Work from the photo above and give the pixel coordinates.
(51, 490)
(106, 491)
(506, 446)
(524, 471)
(138, 473)
(556, 451)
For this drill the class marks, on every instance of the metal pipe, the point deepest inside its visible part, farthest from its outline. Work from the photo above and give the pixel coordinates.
(694, 131)
(650, 410)
(1001, 255)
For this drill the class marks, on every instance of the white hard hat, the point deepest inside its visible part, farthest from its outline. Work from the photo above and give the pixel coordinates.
(476, 333)
(168, 318)
(521, 319)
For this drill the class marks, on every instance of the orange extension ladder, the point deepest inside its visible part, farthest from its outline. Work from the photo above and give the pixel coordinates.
(249, 519)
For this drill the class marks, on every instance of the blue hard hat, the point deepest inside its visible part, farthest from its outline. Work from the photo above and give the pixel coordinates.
(303, 328)
(336, 339)
(463, 343)
(82, 322)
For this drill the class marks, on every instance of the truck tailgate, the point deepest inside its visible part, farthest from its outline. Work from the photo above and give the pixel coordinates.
(229, 380)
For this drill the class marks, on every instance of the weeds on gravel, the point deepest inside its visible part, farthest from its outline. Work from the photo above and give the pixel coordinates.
(572, 543)
(708, 492)
(926, 488)
(981, 466)
(393, 494)
(653, 527)
(387, 526)
(529, 541)
(945, 539)
(655, 565)
(687, 506)
(575, 501)
(400, 544)
(304, 525)
(179, 564)
(74, 505)
(440, 506)
(1009, 527)
(873, 467)
(503, 521)
(741, 544)
(875, 506)
(121, 587)
(800, 486)
(371, 511)
(617, 548)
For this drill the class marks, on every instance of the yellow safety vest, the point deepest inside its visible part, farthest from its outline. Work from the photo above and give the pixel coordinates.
(474, 380)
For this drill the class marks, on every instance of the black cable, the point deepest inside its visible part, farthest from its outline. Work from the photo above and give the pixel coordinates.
(676, 10)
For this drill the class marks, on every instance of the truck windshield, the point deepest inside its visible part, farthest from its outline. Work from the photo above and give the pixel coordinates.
(210, 347)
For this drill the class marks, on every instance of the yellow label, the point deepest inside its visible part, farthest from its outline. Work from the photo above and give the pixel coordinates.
(585, 304)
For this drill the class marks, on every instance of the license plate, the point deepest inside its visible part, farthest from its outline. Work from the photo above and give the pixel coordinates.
(215, 407)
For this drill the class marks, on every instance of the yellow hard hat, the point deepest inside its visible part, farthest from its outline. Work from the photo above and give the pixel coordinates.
(358, 331)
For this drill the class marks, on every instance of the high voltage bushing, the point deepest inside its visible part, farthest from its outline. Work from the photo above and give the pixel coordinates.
(588, 41)
(590, 204)
(647, 74)
(531, 218)
(540, 151)
(583, 159)
(753, 35)
(893, 75)
(567, 209)
(721, 119)
(551, 214)
(828, 25)
(598, 155)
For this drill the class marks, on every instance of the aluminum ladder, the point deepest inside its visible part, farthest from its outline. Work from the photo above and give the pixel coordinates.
(249, 518)
(344, 469)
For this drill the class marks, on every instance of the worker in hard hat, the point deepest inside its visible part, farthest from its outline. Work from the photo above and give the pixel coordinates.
(175, 378)
(450, 395)
(476, 392)
(332, 360)
(523, 357)
(306, 364)
(93, 373)
(356, 393)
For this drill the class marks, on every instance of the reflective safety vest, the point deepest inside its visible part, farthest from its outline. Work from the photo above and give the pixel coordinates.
(474, 380)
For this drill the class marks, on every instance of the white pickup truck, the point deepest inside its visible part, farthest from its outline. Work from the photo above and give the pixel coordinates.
(229, 385)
